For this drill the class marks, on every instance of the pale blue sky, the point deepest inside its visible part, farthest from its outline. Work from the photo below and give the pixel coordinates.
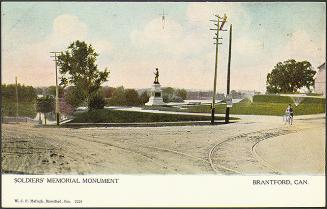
(131, 41)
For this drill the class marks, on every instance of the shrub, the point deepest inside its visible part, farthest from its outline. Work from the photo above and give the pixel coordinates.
(96, 102)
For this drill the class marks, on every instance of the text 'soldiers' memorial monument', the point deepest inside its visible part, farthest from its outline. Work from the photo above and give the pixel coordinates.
(156, 92)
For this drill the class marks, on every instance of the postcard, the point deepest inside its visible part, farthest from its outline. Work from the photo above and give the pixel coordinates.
(163, 104)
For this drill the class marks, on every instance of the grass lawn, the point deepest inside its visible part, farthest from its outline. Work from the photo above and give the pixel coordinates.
(118, 116)
(261, 105)
(25, 109)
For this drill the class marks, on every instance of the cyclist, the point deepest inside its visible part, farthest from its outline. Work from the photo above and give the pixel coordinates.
(290, 114)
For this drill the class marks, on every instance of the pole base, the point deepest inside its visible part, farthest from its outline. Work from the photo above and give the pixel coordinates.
(227, 115)
(57, 119)
(212, 116)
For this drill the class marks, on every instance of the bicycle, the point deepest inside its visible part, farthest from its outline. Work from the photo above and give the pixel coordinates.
(288, 118)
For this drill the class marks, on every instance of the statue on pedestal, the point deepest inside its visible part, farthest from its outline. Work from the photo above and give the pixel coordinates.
(156, 78)
(156, 92)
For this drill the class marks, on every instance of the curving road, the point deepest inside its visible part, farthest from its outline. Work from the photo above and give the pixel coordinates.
(237, 148)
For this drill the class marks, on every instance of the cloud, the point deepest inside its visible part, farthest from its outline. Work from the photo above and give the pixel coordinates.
(168, 39)
(248, 46)
(34, 66)
(302, 47)
(200, 13)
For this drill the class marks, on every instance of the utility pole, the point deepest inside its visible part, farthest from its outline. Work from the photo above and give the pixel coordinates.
(228, 73)
(16, 99)
(219, 23)
(57, 90)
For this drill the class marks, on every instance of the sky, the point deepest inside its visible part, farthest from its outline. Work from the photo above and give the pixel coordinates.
(132, 42)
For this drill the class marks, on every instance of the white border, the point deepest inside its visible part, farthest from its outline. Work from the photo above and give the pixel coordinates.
(166, 191)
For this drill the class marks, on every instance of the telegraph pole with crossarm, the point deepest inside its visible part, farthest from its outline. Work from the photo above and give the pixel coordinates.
(219, 23)
(57, 90)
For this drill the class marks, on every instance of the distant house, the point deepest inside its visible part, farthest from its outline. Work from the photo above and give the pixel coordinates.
(320, 80)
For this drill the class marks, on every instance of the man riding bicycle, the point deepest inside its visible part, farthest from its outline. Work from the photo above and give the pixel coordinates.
(289, 114)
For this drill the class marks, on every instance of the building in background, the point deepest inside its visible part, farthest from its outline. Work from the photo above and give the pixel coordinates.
(320, 80)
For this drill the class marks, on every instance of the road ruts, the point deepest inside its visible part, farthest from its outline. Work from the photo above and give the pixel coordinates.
(235, 154)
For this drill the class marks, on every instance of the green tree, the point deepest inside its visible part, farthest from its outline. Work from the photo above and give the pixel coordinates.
(51, 90)
(73, 96)
(25, 93)
(289, 76)
(97, 101)
(144, 97)
(168, 94)
(118, 97)
(108, 91)
(182, 93)
(77, 67)
(45, 105)
(132, 97)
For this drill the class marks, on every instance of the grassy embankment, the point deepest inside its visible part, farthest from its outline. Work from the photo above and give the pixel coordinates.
(261, 105)
(117, 116)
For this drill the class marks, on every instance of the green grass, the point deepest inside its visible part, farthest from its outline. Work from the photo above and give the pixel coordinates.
(262, 105)
(117, 116)
(25, 109)
(310, 100)
(307, 106)
(272, 99)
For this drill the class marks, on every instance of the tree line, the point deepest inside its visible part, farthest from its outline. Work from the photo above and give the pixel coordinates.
(81, 83)
(25, 93)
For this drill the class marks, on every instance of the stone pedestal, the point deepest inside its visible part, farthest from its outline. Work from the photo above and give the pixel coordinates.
(156, 96)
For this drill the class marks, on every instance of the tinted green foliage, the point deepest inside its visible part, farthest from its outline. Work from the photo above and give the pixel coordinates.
(182, 93)
(26, 100)
(132, 97)
(289, 76)
(73, 96)
(25, 93)
(77, 68)
(118, 97)
(97, 102)
(45, 104)
(51, 90)
(126, 97)
(144, 97)
(170, 94)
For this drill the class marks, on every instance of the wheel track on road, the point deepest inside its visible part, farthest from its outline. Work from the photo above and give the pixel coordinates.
(253, 134)
(151, 159)
(35, 133)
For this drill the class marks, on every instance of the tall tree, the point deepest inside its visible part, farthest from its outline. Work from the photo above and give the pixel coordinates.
(77, 67)
(289, 76)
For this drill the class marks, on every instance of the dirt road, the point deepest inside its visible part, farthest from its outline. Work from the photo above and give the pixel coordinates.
(221, 149)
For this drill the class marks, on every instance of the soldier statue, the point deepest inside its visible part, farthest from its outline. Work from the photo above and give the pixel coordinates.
(156, 80)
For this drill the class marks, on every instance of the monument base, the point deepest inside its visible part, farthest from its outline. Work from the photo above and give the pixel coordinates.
(153, 101)
(156, 96)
